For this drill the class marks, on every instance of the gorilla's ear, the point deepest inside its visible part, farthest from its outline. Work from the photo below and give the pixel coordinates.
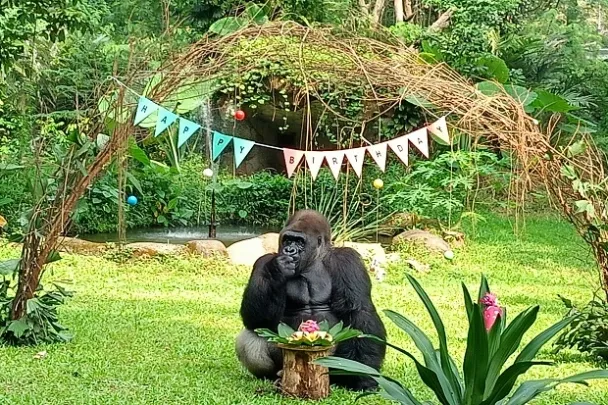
(319, 241)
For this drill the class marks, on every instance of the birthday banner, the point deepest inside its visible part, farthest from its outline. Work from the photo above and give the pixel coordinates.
(294, 157)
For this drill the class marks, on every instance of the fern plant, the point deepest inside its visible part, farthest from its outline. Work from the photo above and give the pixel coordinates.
(485, 378)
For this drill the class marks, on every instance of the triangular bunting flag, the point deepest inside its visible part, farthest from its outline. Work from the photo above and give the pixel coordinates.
(220, 141)
(439, 131)
(242, 147)
(186, 130)
(334, 161)
(145, 107)
(292, 160)
(420, 140)
(400, 147)
(165, 119)
(378, 152)
(355, 158)
(314, 160)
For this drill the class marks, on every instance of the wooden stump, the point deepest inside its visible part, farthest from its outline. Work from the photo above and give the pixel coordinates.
(302, 378)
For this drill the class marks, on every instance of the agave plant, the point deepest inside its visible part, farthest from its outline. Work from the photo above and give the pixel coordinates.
(485, 379)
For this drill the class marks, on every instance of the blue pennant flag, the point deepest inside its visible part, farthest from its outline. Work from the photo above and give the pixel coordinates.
(165, 119)
(242, 147)
(220, 141)
(145, 107)
(186, 130)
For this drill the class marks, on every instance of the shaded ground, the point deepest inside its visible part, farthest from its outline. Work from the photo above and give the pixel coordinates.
(161, 331)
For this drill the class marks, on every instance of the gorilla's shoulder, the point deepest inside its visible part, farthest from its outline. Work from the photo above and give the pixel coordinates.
(343, 257)
(344, 252)
(263, 260)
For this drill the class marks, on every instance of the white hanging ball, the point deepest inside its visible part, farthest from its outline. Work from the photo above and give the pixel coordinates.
(207, 172)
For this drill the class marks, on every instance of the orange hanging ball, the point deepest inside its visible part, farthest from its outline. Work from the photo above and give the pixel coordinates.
(239, 115)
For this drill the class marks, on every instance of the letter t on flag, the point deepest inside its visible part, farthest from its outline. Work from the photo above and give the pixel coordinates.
(186, 130)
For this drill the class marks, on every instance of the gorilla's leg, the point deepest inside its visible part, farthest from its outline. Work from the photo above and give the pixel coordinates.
(261, 358)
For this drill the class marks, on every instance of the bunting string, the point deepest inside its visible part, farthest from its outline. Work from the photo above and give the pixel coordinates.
(334, 159)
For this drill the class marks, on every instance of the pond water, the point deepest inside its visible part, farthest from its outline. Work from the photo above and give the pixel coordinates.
(228, 234)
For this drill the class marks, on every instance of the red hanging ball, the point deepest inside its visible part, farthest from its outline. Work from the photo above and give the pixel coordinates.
(239, 115)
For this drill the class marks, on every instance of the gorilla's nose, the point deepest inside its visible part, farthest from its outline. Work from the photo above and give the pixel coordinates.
(290, 251)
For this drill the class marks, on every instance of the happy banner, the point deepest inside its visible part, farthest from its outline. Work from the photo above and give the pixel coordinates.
(314, 160)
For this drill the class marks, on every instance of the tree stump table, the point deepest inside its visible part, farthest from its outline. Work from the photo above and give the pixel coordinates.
(301, 378)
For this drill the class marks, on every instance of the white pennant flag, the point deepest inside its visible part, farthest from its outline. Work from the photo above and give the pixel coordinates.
(420, 140)
(334, 161)
(355, 158)
(314, 161)
(378, 153)
(400, 147)
(439, 131)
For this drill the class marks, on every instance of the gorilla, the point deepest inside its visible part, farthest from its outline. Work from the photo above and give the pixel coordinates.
(309, 279)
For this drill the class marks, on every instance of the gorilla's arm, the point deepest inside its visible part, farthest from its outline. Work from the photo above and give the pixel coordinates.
(352, 303)
(264, 298)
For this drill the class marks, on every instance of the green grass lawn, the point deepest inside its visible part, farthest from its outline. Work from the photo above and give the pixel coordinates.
(162, 331)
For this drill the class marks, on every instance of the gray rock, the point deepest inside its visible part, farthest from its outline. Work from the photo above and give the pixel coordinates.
(247, 251)
(425, 238)
(153, 249)
(207, 247)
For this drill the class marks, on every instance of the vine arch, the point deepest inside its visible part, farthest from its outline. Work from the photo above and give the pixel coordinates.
(387, 74)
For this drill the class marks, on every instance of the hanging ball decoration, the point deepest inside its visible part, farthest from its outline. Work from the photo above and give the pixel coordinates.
(132, 200)
(378, 184)
(448, 254)
(239, 115)
(207, 172)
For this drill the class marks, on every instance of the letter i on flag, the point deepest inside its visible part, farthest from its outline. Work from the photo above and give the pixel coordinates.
(220, 141)
(334, 161)
(186, 130)
(242, 147)
(145, 107)
(165, 119)
(314, 160)
(378, 152)
(292, 160)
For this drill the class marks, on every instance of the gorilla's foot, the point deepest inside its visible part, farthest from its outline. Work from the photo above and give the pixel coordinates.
(257, 355)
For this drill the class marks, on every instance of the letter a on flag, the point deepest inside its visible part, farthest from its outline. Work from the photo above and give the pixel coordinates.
(314, 160)
(292, 160)
(145, 107)
(439, 131)
(334, 161)
(400, 147)
(355, 158)
(165, 119)
(186, 130)
(420, 140)
(242, 147)
(220, 141)
(378, 152)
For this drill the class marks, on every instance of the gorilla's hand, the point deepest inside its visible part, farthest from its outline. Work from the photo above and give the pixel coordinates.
(286, 265)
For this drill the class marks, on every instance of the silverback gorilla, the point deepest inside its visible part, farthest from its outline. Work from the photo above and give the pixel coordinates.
(309, 279)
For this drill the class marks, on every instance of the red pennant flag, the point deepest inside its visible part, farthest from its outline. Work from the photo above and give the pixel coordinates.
(355, 158)
(292, 160)
(334, 161)
(314, 160)
(400, 147)
(420, 140)
(378, 153)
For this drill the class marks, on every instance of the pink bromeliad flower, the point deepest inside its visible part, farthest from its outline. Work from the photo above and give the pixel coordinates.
(309, 326)
(491, 310)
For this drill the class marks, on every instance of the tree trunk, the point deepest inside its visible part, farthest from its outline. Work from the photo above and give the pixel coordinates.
(378, 11)
(442, 22)
(301, 378)
(407, 8)
(399, 16)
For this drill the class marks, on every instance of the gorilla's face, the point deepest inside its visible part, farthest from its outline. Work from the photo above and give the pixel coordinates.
(305, 239)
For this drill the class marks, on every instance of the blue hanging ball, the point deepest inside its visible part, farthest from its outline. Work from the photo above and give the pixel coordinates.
(132, 200)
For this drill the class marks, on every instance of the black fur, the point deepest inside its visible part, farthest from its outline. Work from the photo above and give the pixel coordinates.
(310, 279)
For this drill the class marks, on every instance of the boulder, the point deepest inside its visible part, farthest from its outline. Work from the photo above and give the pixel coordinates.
(80, 246)
(207, 248)
(368, 250)
(153, 249)
(426, 238)
(247, 251)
